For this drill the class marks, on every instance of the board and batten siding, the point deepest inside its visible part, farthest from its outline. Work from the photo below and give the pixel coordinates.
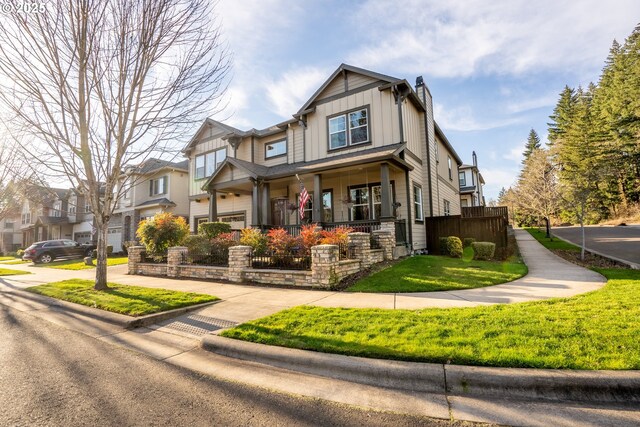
(383, 123)
(413, 122)
(205, 145)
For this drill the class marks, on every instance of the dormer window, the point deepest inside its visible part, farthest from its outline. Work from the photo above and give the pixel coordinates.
(275, 149)
(351, 128)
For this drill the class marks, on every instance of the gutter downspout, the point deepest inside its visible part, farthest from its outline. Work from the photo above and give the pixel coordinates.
(426, 133)
(400, 100)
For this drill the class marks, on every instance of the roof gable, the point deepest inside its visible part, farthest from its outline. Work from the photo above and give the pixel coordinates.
(206, 125)
(345, 78)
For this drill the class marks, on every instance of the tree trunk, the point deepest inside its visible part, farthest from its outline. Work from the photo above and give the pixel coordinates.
(582, 230)
(547, 223)
(101, 261)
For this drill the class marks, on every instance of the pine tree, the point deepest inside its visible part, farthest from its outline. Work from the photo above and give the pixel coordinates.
(562, 115)
(533, 143)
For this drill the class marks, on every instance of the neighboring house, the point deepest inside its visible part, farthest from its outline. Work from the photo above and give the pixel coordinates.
(471, 183)
(44, 215)
(80, 215)
(152, 187)
(365, 145)
(10, 235)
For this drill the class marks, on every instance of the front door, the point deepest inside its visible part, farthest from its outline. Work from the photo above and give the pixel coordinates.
(279, 210)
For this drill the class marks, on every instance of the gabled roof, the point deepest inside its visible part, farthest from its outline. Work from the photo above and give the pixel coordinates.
(345, 67)
(208, 122)
(154, 165)
(447, 144)
(161, 202)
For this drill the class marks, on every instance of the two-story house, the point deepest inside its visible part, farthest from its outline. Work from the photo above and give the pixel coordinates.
(152, 187)
(471, 182)
(10, 235)
(44, 215)
(365, 147)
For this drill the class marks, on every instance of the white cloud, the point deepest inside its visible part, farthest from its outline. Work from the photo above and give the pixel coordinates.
(462, 118)
(526, 103)
(496, 178)
(463, 37)
(293, 88)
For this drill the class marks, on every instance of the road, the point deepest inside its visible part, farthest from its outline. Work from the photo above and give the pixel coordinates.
(618, 242)
(52, 376)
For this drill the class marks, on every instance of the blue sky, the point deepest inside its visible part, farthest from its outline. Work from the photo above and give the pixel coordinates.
(495, 68)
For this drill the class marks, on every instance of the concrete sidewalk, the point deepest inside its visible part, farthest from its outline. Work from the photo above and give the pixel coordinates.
(549, 277)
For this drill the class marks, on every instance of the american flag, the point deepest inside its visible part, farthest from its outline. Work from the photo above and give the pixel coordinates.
(304, 198)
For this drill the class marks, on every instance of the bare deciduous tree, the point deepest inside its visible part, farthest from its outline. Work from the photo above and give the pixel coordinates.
(100, 84)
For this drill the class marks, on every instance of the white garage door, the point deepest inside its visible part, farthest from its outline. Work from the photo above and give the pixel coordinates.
(114, 238)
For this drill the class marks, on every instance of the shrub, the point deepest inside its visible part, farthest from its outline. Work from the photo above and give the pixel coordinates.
(94, 253)
(197, 244)
(337, 236)
(19, 253)
(280, 242)
(253, 237)
(468, 241)
(443, 246)
(308, 237)
(161, 232)
(454, 246)
(224, 241)
(213, 229)
(483, 250)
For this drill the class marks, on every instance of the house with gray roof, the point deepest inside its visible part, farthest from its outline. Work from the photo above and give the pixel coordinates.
(471, 183)
(365, 147)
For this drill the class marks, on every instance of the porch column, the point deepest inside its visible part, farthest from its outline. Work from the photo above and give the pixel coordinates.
(213, 207)
(265, 205)
(385, 184)
(255, 202)
(316, 215)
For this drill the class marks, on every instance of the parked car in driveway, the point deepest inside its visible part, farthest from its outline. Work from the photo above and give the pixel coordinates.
(46, 251)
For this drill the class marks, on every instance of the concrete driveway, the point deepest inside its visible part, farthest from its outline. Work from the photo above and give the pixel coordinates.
(621, 243)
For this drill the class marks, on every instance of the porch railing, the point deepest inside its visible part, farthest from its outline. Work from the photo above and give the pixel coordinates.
(359, 226)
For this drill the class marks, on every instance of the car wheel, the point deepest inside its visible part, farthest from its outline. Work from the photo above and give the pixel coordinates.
(45, 258)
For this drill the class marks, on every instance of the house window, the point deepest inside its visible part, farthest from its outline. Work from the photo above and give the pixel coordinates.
(447, 208)
(72, 207)
(56, 209)
(327, 207)
(417, 202)
(275, 149)
(87, 207)
(199, 221)
(366, 202)
(26, 218)
(463, 179)
(236, 221)
(349, 129)
(158, 186)
(207, 164)
(449, 166)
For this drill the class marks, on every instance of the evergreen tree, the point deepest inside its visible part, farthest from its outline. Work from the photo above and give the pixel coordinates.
(562, 115)
(533, 143)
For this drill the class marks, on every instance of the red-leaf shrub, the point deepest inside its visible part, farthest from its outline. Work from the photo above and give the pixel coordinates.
(337, 236)
(308, 237)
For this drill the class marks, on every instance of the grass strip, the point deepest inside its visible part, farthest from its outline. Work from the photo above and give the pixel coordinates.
(596, 330)
(130, 300)
(426, 273)
(552, 242)
(10, 272)
(74, 264)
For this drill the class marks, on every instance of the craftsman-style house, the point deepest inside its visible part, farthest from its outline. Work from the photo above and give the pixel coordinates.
(365, 146)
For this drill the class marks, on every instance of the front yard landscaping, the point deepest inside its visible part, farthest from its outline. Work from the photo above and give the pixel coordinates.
(130, 300)
(597, 330)
(426, 273)
(74, 264)
(9, 272)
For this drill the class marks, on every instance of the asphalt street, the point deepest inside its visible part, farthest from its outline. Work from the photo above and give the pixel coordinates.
(619, 242)
(53, 376)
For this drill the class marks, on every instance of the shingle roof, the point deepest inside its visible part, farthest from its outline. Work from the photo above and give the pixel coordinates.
(162, 202)
(151, 165)
(468, 189)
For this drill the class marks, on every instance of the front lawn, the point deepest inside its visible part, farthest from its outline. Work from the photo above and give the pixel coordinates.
(553, 242)
(14, 262)
(426, 273)
(130, 300)
(597, 330)
(74, 264)
(7, 258)
(9, 272)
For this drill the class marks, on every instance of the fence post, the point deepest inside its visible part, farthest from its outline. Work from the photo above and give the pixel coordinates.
(134, 255)
(361, 246)
(324, 259)
(239, 259)
(174, 259)
(387, 241)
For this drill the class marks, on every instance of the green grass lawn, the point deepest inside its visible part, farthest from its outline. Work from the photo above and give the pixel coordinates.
(9, 272)
(425, 273)
(553, 243)
(131, 300)
(74, 264)
(14, 262)
(7, 258)
(597, 330)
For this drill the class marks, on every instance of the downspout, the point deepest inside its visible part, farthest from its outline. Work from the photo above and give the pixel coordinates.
(409, 243)
(426, 133)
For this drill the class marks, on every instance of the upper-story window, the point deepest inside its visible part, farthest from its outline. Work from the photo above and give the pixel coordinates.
(275, 149)
(463, 179)
(349, 129)
(57, 208)
(87, 207)
(26, 218)
(158, 186)
(208, 163)
(449, 166)
(417, 202)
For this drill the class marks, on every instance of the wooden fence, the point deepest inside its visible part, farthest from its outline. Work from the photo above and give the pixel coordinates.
(482, 211)
(483, 229)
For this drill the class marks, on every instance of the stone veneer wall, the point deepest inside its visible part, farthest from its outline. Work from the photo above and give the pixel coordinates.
(326, 268)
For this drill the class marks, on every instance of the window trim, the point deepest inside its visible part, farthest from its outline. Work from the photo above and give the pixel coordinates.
(371, 204)
(450, 167)
(204, 156)
(165, 185)
(266, 149)
(421, 219)
(446, 207)
(463, 181)
(233, 213)
(324, 191)
(349, 144)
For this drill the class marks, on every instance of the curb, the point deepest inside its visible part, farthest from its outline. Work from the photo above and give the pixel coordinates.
(122, 320)
(631, 264)
(538, 384)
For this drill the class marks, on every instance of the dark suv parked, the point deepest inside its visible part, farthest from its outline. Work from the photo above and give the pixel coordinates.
(48, 250)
